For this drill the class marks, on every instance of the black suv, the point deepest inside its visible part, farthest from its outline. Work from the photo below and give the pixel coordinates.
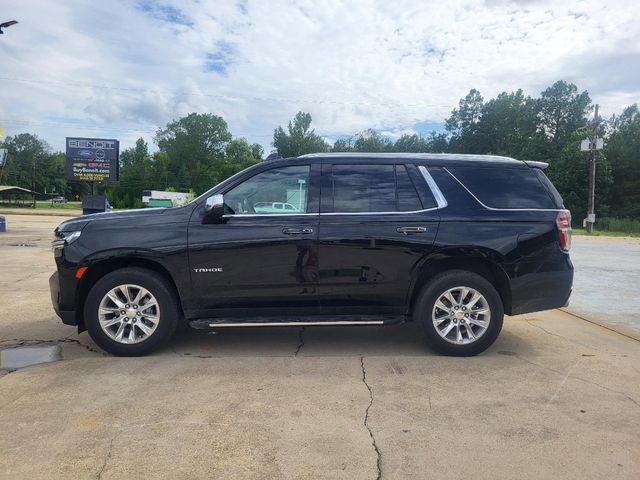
(450, 241)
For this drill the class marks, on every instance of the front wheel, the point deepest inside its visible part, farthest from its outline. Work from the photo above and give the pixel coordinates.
(131, 312)
(460, 312)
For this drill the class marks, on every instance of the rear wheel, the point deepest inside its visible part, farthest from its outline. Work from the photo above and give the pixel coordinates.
(131, 312)
(460, 312)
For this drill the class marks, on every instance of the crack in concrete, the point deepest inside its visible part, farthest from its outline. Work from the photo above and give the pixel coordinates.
(300, 342)
(366, 420)
(106, 459)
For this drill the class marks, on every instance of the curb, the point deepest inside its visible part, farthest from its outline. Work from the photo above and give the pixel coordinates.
(619, 329)
(72, 213)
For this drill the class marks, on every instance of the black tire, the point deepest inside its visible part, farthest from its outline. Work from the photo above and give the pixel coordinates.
(157, 286)
(437, 286)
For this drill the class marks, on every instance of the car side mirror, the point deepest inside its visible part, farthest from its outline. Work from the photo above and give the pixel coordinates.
(213, 208)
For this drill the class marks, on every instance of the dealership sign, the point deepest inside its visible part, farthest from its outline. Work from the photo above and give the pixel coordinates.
(92, 160)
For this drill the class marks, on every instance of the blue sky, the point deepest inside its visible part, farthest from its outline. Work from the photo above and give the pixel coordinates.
(124, 68)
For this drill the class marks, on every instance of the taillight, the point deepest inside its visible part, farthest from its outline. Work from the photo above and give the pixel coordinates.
(563, 222)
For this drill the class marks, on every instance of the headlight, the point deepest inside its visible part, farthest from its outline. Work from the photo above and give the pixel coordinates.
(62, 239)
(71, 236)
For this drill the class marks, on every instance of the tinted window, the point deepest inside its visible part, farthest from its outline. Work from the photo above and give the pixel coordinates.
(373, 188)
(505, 187)
(550, 187)
(363, 188)
(408, 199)
(269, 192)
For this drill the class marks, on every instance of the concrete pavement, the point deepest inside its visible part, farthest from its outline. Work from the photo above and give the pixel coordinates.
(555, 397)
(605, 288)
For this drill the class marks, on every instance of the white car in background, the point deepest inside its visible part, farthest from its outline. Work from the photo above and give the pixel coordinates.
(274, 207)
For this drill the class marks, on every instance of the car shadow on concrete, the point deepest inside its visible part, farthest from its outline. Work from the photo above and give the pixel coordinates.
(397, 340)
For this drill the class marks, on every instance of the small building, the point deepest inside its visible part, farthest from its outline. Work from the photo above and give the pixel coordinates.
(11, 196)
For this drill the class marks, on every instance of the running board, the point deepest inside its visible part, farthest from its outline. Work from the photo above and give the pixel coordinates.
(207, 323)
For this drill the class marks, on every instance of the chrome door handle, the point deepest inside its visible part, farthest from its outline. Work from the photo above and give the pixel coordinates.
(411, 230)
(297, 231)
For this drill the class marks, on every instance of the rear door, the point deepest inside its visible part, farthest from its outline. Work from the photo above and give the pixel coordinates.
(377, 221)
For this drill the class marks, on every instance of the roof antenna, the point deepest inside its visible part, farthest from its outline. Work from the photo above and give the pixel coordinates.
(272, 156)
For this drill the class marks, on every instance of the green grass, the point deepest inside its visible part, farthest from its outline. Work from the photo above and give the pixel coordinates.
(68, 205)
(613, 224)
(614, 227)
(601, 233)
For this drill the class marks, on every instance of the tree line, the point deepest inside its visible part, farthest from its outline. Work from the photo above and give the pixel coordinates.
(197, 151)
(547, 128)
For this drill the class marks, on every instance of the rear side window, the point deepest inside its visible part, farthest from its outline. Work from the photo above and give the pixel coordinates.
(505, 187)
(373, 188)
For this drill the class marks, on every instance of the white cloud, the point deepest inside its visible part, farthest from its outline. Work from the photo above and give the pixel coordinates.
(133, 66)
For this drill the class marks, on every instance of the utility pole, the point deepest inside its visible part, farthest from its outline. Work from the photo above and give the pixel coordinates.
(33, 181)
(592, 173)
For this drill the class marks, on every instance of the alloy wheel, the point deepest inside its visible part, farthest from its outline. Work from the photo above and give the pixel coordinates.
(129, 314)
(461, 315)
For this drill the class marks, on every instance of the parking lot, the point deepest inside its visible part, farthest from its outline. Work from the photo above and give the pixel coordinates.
(555, 397)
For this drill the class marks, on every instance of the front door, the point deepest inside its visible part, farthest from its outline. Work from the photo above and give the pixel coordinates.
(262, 258)
(378, 221)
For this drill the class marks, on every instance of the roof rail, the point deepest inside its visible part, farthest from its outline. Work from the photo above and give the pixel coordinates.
(421, 156)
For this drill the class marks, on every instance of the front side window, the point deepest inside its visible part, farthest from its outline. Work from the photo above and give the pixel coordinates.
(373, 188)
(280, 190)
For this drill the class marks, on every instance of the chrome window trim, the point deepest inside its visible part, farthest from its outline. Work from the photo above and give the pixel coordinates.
(441, 202)
(502, 209)
(379, 213)
(433, 186)
(262, 215)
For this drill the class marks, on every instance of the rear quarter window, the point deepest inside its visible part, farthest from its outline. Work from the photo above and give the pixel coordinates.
(557, 198)
(505, 187)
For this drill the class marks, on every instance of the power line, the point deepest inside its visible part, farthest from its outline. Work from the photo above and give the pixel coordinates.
(29, 123)
(150, 129)
(299, 101)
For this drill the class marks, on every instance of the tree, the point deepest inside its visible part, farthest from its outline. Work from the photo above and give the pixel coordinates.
(562, 111)
(135, 173)
(463, 122)
(26, 151)
(411, 143)
(508, 125)
(240, 155)
(623, 151)
(299, 139)
(372, 141)
(195, 145)
(438, 142)
(197, 152)
(343, 145)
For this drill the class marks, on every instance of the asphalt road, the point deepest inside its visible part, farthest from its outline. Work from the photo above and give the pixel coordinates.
(555, 397)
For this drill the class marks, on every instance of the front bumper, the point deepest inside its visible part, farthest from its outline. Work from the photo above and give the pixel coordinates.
(68, 316)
